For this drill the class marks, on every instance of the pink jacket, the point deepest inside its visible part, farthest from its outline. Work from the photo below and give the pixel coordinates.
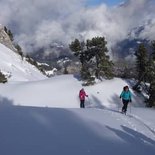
(82, 95)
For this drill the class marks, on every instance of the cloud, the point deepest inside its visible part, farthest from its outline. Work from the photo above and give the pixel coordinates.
(149, 31)
(38, 23)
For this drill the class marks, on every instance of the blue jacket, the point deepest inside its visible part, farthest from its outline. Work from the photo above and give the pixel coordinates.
(126, 95)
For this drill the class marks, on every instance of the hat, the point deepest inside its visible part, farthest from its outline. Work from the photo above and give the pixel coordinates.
(126, 87)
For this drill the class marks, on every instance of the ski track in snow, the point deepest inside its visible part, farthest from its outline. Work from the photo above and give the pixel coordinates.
(146, 124)
(133, 121)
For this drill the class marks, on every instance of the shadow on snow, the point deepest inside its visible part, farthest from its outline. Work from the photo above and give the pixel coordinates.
(29, 131)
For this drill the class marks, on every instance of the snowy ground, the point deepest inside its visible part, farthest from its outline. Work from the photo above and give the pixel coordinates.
(18, 69)
(27, 130)
(62, 91)
(43, 117)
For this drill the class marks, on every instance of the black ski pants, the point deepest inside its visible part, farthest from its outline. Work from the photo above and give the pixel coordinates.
(82, 104)
(125, 105)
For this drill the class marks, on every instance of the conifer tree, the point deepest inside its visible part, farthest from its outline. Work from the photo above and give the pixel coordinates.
(151, 75)
(93, 57)
(79, 50)
(153, 49)
(142, 61)
(5, 29)
(19, 50)
(10, 34)
(141, 65)
(98, 50)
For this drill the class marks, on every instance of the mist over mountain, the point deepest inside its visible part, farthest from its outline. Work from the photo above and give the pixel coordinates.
(45, 25)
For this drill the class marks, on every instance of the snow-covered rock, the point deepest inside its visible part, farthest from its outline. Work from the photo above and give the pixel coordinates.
(5, 40)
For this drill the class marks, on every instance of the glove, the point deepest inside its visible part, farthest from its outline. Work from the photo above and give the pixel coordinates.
(130, 100)
(120, 97)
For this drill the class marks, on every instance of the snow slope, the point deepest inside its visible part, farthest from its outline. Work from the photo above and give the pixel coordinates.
(43, 117)
(62, 91)
(28, 130)
(19, 70)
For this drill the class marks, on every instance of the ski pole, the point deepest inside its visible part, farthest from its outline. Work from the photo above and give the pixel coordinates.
(118, 106)
(89, 100)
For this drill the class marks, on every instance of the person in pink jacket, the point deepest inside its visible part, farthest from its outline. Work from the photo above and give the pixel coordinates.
(82, 95)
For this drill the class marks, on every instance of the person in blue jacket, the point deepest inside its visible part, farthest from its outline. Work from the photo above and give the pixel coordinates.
(126, 98)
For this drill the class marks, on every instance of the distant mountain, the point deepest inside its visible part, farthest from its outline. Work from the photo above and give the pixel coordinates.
(124, 48)
(128, 46)
(57, 56)
(51, 53)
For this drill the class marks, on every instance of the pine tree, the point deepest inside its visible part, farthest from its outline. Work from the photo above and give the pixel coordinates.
(142, 61)
(10, 34)
(153, 49)
(151, 74)
(141, 65)
(79, 50)
(19, 50)
(5, 29)
(97, 51)
(86, 75)
(93, 57)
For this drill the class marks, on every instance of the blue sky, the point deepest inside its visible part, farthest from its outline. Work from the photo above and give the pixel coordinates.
(108, 2)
